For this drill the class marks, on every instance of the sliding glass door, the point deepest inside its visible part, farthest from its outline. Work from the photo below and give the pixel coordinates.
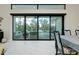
(31, 27)
(36, 27)
(44, 27)
(18, 27)
(56, 24)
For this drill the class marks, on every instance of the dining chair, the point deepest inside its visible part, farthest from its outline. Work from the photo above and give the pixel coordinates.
(60, 48)
(58, 43)
(67, 32)
(77, 32)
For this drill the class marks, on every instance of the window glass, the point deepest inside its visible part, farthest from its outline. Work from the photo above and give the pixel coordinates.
(24, 7)
(36, 27)
(51, 7)
(31, 27)
(44, 27)
(56, 25)
(39, 6)
(18, 27)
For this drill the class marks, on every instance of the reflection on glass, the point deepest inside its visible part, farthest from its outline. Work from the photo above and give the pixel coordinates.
(43, 30)
(59, 24)
(56, 25)
(18, 27)
(44, 27)
(31, 27)
(24, 7)
(51, 7)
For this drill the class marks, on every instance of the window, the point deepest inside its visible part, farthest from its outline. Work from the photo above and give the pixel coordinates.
(31, 27)
(24, 7)
(18, 27)
(44, 27)
(37, 27)
(56, 24)
(37, 6)
(51, 7)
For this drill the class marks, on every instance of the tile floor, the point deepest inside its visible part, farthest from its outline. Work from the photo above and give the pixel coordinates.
(29, 47)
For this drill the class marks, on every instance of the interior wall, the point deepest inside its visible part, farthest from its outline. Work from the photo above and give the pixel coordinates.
(71, 19)
(6, 24)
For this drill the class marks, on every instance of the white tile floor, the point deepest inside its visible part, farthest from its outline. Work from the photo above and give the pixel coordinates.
(29, 48)
(2, 45)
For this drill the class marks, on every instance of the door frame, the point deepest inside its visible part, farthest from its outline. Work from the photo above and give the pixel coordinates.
(37, 14)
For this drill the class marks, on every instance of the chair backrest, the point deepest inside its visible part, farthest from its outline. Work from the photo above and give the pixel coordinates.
(67, 32)
(77, 32)
(58, 42)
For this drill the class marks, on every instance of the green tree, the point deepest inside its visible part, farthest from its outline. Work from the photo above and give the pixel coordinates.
(28, 27)
(19, 26)
(44, 25)
(33, 25)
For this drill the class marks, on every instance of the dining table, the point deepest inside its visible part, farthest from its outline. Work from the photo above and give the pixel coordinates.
(71, 41)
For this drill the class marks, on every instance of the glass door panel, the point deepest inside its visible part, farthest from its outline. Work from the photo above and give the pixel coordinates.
(18, 27)
(31, 27)
(36, 27)
(43, 27)
(56, 25)
(52, 27)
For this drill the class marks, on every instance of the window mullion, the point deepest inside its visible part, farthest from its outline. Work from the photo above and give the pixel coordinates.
(24, 27)
(37, 27)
